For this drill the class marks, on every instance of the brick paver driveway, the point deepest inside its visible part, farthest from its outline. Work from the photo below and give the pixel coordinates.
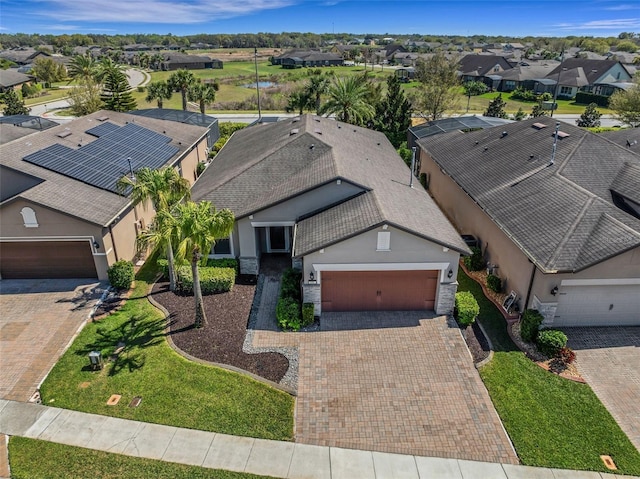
(609, 360)
(411, 389)
(38, 319)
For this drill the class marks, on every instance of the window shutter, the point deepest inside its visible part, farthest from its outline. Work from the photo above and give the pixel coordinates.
(384, 241)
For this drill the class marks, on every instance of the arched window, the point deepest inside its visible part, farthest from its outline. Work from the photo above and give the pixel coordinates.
(29, 217)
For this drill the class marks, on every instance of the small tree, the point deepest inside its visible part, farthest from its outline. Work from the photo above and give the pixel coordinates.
(13, 104)
(474, 88)
(115, 92)
(85, 98)
(538, 110)
(393, 113)
(496, 108)
(438, 89)
(158, 91)
(519, 115)
(590, 118)
(626, 104)
(48, 71)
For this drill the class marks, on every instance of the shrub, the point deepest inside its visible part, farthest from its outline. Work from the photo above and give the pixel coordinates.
(475, 262)
(121, 274)
(288, 313)
(567, 355)
(467, 308)
(530, 324)
(494, 283)
(551, 341)
(212, 279)
(200, 167)
(524, 95)
(223, 263)
(585, 98)
(290, 287)
(307, 314)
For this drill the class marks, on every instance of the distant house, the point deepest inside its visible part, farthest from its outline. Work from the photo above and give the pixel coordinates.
(308, 58)
(178, 61)
(524, 76)
(12, 80)
(482, 67)
(579, 74)
(405, 74)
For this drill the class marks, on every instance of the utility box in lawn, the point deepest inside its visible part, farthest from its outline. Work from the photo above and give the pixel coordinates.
(95, 360)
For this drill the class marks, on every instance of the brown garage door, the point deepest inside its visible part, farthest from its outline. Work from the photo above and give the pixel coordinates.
(378, 290)
(47, 259)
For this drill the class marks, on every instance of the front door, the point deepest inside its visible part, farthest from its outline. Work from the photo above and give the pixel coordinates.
(278, 239)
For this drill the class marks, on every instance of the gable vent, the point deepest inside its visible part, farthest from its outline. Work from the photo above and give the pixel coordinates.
(539, 126)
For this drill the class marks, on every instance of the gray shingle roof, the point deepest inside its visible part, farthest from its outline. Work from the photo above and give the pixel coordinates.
(592, 69)
(10, 78)
(265, 164)
(71, 196)
(561, 216)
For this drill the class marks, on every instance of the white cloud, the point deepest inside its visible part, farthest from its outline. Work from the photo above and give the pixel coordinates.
(154, 11)
(617, 8)
(617, 24)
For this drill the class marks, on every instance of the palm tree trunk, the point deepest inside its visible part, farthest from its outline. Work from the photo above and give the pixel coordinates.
(184, 99)
(201, 319)
(172, 267)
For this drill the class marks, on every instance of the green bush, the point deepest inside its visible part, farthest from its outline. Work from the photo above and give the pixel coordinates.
(475, 262)
(212, 279)
(467, 308)
(223, 263)
(288, 314)
(584, 98)
(121, 274)
(494, 283)
(530, 324)
(524, 95)
(551, 341)
(307, 314)
(290, 287)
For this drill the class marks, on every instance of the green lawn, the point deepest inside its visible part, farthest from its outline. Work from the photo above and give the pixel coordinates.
(48, 96)
(33, 459)
(552, 422)
(174, 391)
(480, 103)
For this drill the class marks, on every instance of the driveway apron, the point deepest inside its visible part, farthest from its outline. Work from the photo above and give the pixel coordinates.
(609, 360)
(398, 382)
(38, 320)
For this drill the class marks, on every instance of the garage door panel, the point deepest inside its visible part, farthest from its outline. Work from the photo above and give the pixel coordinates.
(602, 305)
(46, 259)
(378, 290)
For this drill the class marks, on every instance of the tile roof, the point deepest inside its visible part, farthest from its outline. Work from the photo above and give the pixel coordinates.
(561, 215)
(74, 197)
(266, 164)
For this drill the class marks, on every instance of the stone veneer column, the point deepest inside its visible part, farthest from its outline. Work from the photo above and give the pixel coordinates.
(446, 298)
(296, 263)
(248, 265)
(311, 294)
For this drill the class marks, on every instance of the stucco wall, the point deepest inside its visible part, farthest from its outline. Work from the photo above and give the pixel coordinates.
(190, 161)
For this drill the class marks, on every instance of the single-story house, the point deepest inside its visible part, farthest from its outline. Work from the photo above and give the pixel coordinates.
(340, 201)
(480, 67)
(556, 209)
(178, 61)
(13, 127)
(61, 215)
(581, 74)
(12, 80)
(308, 59)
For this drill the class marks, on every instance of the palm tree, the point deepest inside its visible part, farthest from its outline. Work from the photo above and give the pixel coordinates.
(198, 226)
(159, 91)
(82, 67)
(299, 101)
(203, 93)
(165, 188)
(107, 67)
(317, 86)
(348, 100)
(181, 81)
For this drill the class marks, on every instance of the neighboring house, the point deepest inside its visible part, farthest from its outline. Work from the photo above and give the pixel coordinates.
(337, 198)
(405, 74)
(444, 125)
(178, 61)
(309, 58)
(60, 213)
(579, 74)
(16, 126)
(483, 68)
(562, 230)
(523, 76)
(391, 51)
(12, 80)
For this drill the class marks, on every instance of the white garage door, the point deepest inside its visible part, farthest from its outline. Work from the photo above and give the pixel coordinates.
(598, 305)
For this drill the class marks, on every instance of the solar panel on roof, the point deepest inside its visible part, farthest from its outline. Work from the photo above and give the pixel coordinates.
(103, 162)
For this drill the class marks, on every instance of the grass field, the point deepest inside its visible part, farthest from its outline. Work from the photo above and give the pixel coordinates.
(174, 391)
(33, 459)
(552, 422)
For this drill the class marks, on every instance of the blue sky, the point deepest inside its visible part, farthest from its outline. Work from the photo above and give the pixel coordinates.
(453, 17)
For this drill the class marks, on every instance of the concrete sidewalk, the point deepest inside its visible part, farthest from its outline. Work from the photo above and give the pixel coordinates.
(244, 454)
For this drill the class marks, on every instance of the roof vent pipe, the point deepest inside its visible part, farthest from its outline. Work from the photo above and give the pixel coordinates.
(413, 165)
(555, 144)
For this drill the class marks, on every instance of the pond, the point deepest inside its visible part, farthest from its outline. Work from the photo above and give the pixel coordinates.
(261, 84)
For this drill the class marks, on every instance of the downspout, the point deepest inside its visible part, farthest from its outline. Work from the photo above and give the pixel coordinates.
(533, 277)
(113, 243)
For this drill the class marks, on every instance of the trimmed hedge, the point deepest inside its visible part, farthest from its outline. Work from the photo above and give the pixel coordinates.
(530, 325)
(290, 287)
(584, 98)
(163, 264)
(475, 262)
(288, 314)
(467, 308)
(494, 283)
(307, 314)
(121, 274)
(551, 341)
(212, 280)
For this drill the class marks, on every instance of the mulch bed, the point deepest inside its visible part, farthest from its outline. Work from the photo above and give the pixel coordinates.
(476, 342)
(221, 339)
